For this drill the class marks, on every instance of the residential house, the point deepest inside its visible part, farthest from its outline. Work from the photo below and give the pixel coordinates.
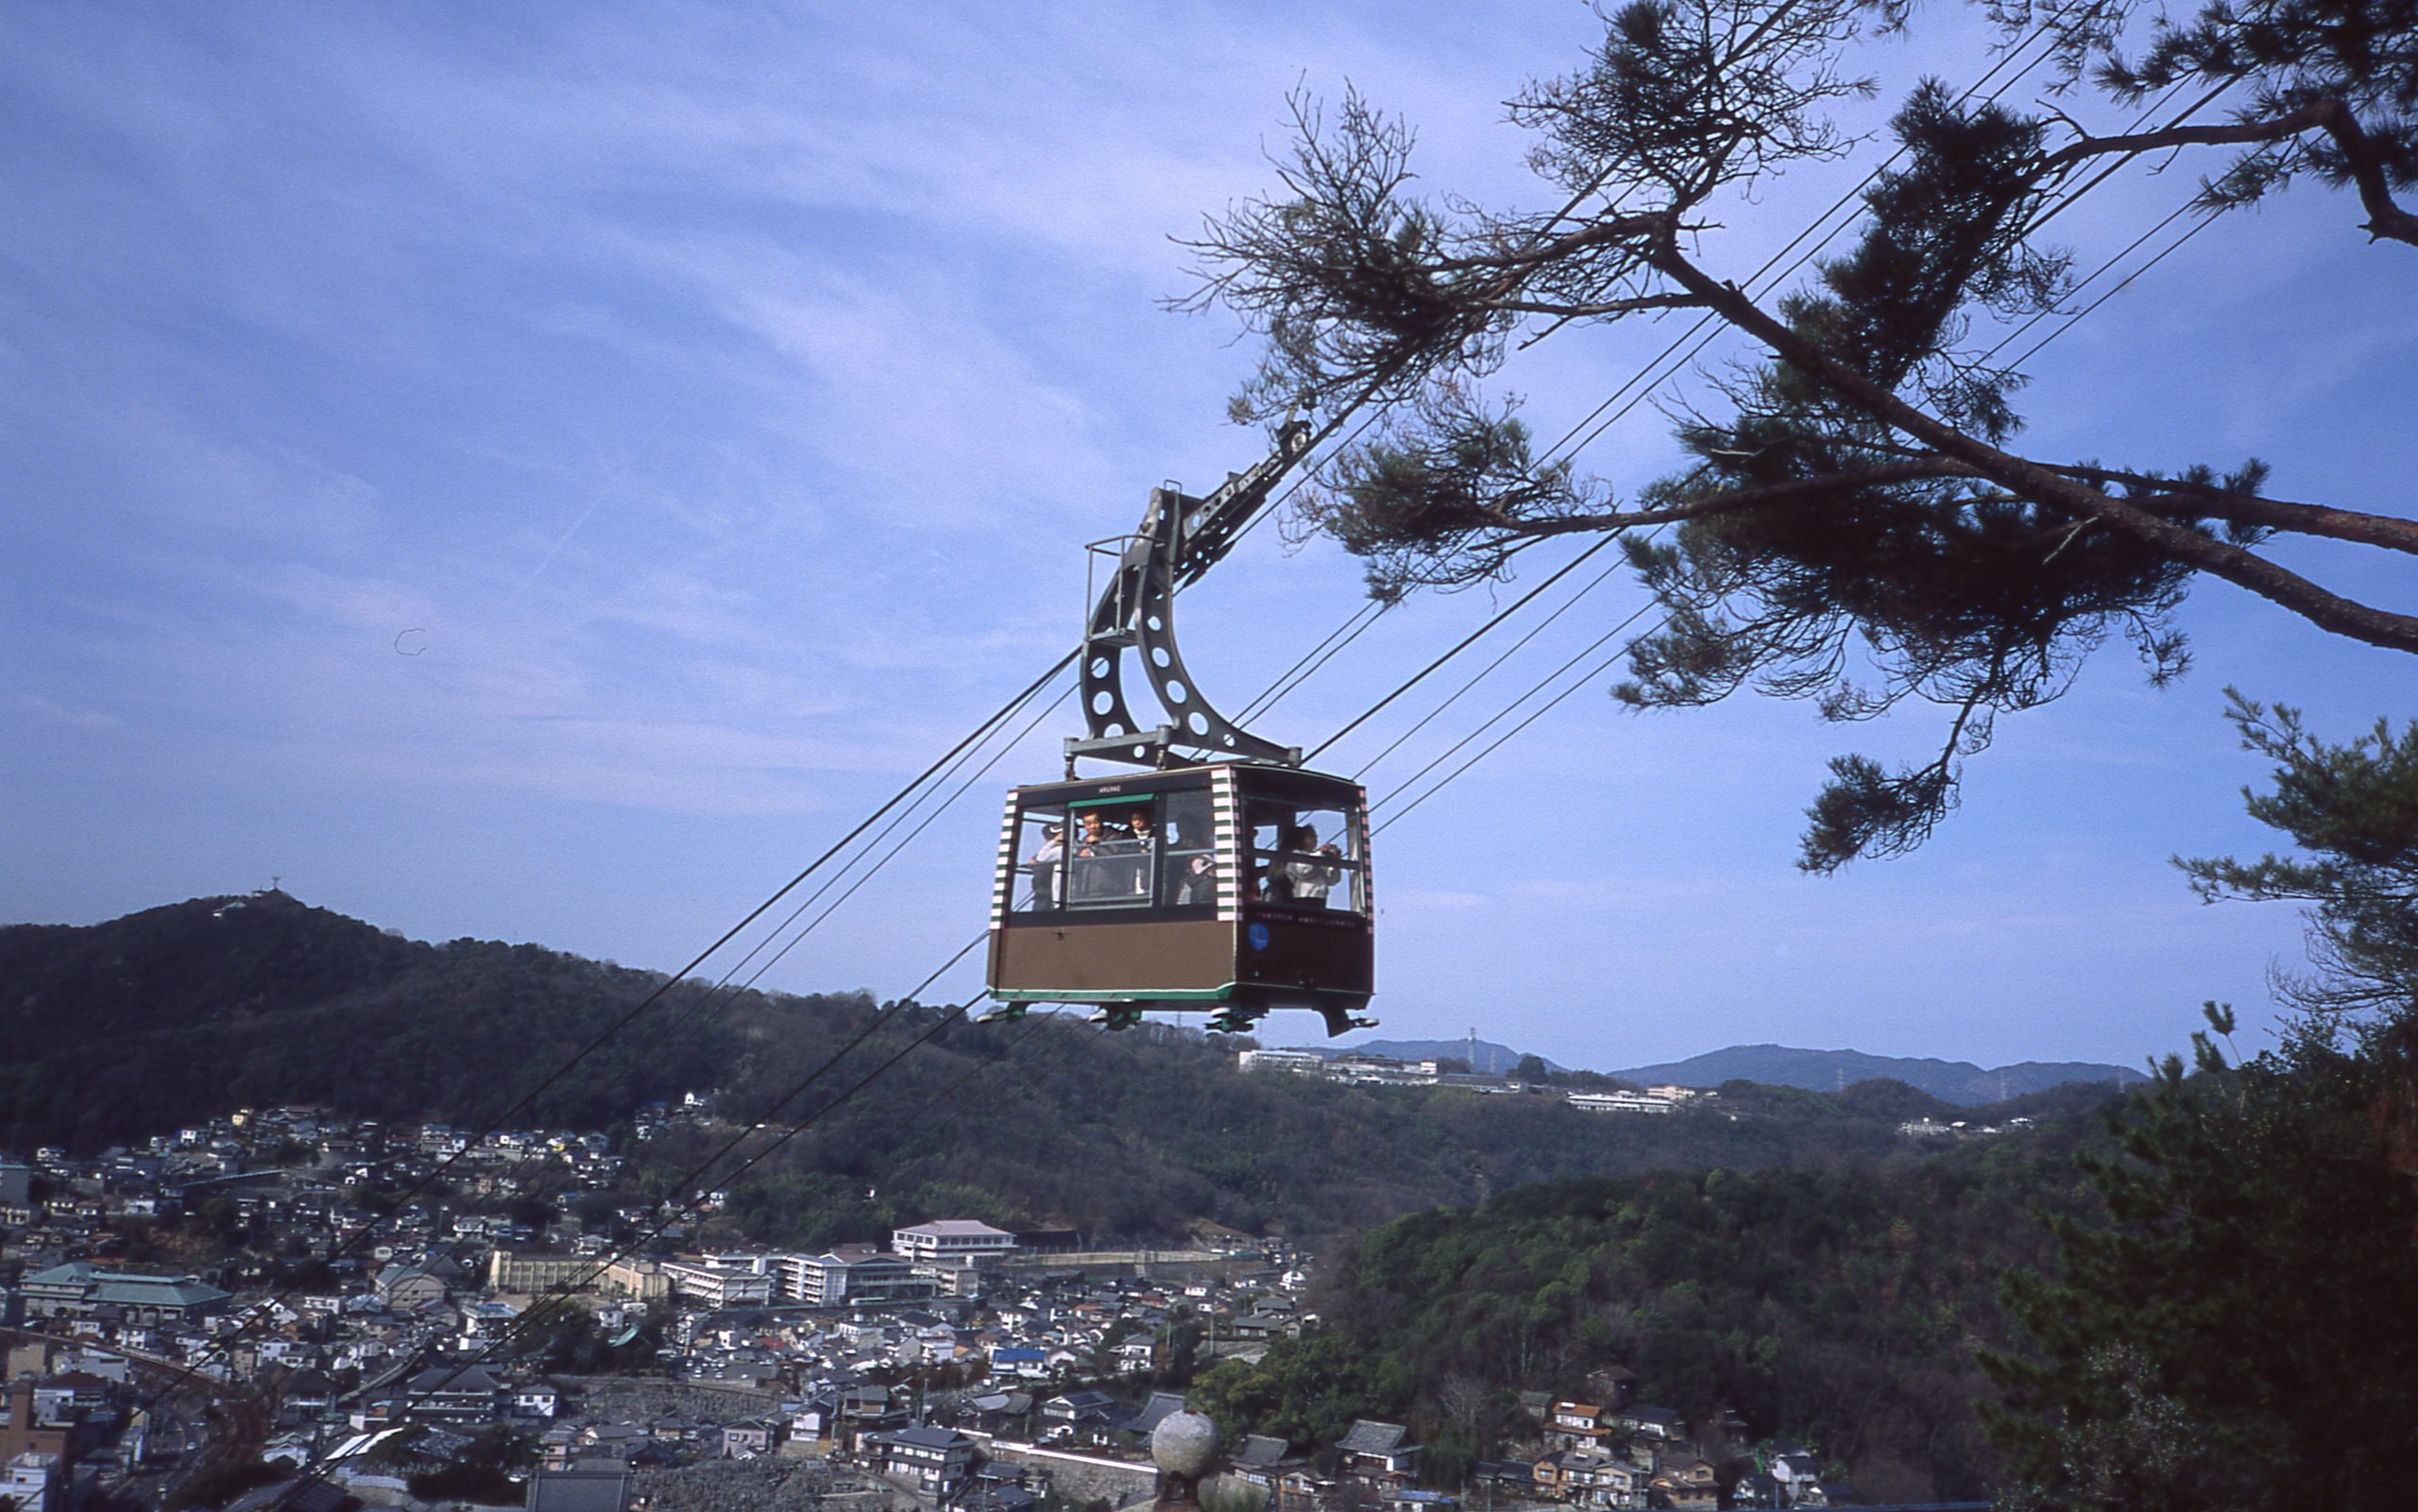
(1544, 1473)
(1795, 1470)
(1086, 1416)
(408, 1289)
(1001, 1496)
(1302, 1490)
(1019, 1361)
(1508, 1480)
(1575, 1425)
(751, 1437)
(1652, 1423)
(579, 1490)
(1264, 1461)
(453, 1394)
(1687, 1481)
(1590, 1478)
(1376, 1453)
(1161, 1405)
(309, 1394)
(933, 1460)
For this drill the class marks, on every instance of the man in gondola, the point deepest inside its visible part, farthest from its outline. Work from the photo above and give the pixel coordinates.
(1099, 868)
(1142, 826)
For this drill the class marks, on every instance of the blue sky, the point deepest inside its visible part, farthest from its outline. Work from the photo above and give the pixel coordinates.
(542, 473)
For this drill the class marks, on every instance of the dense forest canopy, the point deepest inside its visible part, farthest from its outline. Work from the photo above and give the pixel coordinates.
(1836, 1305)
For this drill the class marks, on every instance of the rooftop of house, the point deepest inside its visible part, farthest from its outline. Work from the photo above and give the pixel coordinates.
(579, 1490)
(1368, 1436)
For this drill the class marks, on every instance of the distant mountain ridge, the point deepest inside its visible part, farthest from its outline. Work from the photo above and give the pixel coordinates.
(1483, 1054)
(1958, 1081)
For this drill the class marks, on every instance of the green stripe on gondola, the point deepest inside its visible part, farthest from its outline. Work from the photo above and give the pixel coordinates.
(1189, 995)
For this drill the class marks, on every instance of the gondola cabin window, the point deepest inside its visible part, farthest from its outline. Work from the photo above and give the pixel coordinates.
(1114, 853)
(1041, 857)
(1188, 864)
(1306, 857)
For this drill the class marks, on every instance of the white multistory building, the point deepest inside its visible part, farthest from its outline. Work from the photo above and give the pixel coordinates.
(952, 1252)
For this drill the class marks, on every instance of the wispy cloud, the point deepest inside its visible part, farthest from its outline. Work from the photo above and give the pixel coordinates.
(89, 721)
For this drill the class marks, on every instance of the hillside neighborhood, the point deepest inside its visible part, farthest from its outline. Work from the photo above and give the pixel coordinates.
(539, 1335)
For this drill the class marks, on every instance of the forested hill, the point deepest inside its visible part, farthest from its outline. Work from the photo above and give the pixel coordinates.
(1840, 1307)
(129, 1029)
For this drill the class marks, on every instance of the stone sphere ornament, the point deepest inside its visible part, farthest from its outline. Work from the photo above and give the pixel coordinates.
(1185, 1444)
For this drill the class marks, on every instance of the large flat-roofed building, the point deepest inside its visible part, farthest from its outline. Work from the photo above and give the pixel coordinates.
(639, 1280)
(81, 1290)
(511, 1272)
(1300, 1062)
(718, 1286)
(952, 1243)
(33, 1482)
(1618, 1102)
(851, 1273)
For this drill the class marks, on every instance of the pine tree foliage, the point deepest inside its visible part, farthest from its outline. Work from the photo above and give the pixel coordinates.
(1854, 526)
(2240, 1328)
(2353, 809)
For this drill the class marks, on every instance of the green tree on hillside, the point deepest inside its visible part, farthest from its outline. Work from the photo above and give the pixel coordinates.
(2240, 1328)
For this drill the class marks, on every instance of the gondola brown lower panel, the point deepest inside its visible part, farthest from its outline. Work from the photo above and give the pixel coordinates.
(1142, 959)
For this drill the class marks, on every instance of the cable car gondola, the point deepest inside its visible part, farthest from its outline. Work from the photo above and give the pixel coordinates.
(1223, 877)
(1232, 889)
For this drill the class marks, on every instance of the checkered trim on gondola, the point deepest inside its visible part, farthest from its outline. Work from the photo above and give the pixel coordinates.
(1367, 865)
(1226, 825)
(1003, 883)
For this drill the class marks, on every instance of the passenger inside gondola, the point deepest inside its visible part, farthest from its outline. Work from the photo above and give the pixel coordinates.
(1291, 864)
(1144, 849)
(1188, 864)
(1312, 873)
(1044, 864)
(1109, 865)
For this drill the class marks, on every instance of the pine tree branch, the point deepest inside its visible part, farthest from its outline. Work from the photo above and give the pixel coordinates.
(2387, 220)
(1586, 311)
(2238, 133)
(1648, 227)
(2179, 501)
(2318, 605)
